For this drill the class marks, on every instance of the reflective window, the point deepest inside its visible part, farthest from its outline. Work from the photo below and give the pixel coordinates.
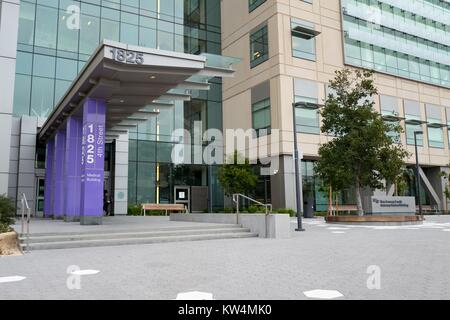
(399, 38)
(261, 117)
(435, 131)
(303, 39)
(259, 46)
(413, 121)
(253, 4)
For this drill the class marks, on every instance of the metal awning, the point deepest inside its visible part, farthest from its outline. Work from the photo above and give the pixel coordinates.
(136, 83)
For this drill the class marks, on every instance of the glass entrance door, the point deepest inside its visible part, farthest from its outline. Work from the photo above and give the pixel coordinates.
(40, 187)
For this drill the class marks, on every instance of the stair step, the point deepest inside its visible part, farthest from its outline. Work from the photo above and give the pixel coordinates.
(131, 241)
(118, 231)
(129, 235)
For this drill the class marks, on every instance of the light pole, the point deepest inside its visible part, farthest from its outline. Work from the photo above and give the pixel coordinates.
(298, 195)
(416, 133)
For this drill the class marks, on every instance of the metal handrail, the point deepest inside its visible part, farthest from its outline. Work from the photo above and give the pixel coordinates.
(25, 205)
(268, 207)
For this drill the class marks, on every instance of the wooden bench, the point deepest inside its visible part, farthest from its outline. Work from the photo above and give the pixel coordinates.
(163, 207)
(428, 208)
(344, 208)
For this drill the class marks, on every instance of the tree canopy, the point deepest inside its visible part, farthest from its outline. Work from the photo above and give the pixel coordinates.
(237, 175)
(363, 152)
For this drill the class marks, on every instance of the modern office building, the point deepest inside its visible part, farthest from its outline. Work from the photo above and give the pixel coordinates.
(289, 51)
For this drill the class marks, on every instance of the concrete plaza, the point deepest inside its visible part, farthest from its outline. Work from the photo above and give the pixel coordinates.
(414, 262)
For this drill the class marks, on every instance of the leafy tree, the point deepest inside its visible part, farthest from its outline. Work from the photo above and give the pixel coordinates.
(237, 175)
(363, 153)
(446, 176)
(6, 213)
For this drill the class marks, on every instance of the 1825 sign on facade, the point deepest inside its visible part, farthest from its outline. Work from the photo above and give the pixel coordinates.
(127, 56)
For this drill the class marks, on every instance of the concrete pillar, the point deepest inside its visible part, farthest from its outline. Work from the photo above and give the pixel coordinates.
(283, 185)
(48, 193)
(121, 176)
(92, 161)
(58, 174)
(9, 24)
(72, 183)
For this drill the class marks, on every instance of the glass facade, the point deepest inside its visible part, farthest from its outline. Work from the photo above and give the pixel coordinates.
(57, 37)
(410, 39)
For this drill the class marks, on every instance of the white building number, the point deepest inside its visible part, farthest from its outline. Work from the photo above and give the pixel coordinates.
(90, 148)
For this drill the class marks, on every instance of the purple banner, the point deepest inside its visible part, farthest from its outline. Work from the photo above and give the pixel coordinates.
(73, 168)
(92, 161)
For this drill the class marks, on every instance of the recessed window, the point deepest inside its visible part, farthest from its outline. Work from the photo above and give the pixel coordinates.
(253, 4)
(261, 119)
(307, 107)
(390, 114)
(413, 121)
(435, 131)
(259, 46)
(303, 39)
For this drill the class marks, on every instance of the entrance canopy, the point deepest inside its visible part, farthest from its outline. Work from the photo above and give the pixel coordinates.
(135, 82)
(120, 87)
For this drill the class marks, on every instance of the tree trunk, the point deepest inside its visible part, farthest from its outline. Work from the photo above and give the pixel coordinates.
(359, 200)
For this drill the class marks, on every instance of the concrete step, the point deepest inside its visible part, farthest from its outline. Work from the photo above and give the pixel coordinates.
(131, 241)
(129, 235)
(153, 229)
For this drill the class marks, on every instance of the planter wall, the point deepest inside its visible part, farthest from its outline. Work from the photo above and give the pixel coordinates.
(278, 225)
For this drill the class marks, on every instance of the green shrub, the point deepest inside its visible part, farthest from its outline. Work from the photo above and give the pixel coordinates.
(228, 210)
(134, 210)
(290, 212)
(256, 209)
(6, 214)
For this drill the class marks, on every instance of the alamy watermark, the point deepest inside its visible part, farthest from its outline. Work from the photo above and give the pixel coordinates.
(214, 147)
(374, 280)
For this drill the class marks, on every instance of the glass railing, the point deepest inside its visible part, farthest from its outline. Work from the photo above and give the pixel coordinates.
(218, 61)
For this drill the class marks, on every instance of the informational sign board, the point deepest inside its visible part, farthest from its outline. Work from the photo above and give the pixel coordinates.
(392, 205)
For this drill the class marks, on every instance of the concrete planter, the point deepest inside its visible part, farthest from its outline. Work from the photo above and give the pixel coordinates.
(275, 226)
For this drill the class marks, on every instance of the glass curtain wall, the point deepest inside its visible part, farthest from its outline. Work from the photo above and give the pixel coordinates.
(57, 37)
(399, 38)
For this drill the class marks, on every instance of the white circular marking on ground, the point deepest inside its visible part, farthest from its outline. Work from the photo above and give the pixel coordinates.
(323, 294)
(338, 232)
(194, 295)
(11, 279)
(85, 272)
(338, 228)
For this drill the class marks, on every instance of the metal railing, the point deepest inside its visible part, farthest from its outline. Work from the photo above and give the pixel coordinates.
(268, 207)
(26, 207)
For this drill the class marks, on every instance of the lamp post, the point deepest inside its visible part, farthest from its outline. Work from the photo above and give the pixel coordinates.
(416, 133)
(298, 195)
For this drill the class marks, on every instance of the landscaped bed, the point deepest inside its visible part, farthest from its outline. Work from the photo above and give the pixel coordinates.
(9, 244)
(376, 219)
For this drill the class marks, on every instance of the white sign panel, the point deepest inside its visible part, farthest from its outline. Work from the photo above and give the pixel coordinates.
(393, 205)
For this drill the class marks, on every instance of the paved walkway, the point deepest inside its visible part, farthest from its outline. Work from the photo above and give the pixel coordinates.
(414, 263)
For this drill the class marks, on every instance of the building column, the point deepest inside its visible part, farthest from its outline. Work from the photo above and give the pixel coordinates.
(121, 176)
(283, 184)
(92, 161)
(72, 183)
(58, 174)
(48, 192)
